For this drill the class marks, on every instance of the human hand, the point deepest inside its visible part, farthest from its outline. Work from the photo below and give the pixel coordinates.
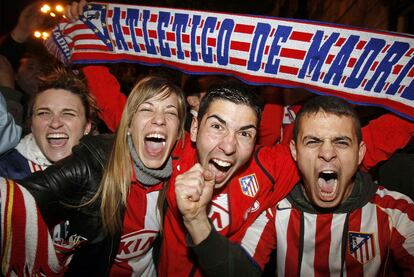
(6, 73)
(30, 19)
(193, 191)
(75, 9)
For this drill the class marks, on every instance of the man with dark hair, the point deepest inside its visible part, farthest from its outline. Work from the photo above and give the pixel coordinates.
(222, 189)
(336, 220)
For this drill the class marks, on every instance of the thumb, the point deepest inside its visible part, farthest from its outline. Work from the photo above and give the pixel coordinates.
(209, 178)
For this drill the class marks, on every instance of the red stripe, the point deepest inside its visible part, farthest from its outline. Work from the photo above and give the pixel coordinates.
(125, 30)
(75, 28)
(397, 68)
(411, 73)
(185, 38)
(240, 46)
(86, 37)
(237, 61)
(398, 204)
(153, 18)
(292, 238)
(288, 70)
(322, 244)
(18, 227)
(351, 62)
(329, 59)
(42, 245)
(211, 42)
(91, 47)
(374, 66)
(301, 36)
(152, 34)
(170, 36)
(292, 53)
(385, 48)
(7, 200)
(340, 42)
(243, 28)
(354, 268)
(409, 52)
(361, 44)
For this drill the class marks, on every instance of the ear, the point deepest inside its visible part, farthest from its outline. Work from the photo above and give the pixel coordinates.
(194, 129)
(361, 152)
(193, 101)
(88, 128)
(292, 146)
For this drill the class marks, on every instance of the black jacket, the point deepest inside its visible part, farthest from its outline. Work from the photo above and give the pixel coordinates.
(70, 182)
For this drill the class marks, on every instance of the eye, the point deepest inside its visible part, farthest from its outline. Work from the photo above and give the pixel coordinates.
(246, 134)
(342, 143)
(312, 142)
(69, 113)
(216, 126)
(174, 113)
(43, 113)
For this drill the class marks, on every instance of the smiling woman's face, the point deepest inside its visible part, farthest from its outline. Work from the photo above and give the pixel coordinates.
(58, 122)
(155, 129)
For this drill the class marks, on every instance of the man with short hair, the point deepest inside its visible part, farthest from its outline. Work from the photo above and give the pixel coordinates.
(335, 221)
(240, 181)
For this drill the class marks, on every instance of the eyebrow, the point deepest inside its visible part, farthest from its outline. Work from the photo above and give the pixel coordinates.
(334, 139)
(49, 109)
(222, 121)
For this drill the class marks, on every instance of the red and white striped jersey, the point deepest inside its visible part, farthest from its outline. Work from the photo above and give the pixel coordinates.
(142, 223)
(373, 240)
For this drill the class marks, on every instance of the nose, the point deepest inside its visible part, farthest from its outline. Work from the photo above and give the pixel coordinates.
(327, 151)
(159, 118)
(229, 143)
(55, 121)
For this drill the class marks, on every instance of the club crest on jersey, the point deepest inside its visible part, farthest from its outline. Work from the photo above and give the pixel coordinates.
(361, 246)
(249, 185)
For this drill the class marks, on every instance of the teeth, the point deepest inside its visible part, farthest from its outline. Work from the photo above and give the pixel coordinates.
(222, 163)
(57, 136)
(156, 136)
(328, 171)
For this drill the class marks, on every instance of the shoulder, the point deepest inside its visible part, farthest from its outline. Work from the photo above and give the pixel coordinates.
(13, 165)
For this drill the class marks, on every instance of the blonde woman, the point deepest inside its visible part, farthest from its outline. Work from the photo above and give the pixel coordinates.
(109, 188)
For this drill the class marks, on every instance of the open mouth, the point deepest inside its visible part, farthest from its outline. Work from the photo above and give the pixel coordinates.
(327, 182)
(220, 168)
(155, 143)
(57, 139)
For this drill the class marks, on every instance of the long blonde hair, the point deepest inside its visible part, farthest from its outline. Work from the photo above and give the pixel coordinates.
(116, 180)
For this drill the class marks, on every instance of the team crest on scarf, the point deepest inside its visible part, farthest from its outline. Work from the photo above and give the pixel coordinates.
(361, 246)
(249, 185)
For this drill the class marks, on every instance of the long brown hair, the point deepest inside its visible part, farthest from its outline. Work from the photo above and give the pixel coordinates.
(114, 186)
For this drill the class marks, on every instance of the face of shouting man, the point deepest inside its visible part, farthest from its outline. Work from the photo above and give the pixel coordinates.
(225, 138)
(328, 154)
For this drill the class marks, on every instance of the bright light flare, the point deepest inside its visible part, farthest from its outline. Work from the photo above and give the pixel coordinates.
(52, 14)
(37, 34)
(59, 8)
(45, 8)
(45, 35)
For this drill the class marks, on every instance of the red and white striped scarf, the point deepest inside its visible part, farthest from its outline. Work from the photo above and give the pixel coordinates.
(27, 249)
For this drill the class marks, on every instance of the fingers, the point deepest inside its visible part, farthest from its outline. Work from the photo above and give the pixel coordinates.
(189, 185)
(75, 9)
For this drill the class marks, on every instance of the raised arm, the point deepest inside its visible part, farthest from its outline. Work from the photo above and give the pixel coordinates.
(9, 132)
(383, 136)
(107, 91)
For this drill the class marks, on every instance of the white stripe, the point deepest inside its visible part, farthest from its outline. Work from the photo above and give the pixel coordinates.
(253, 234)
(31, 233)
(307, 268)
(335, 248)
(282, 218)
(369, 225)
